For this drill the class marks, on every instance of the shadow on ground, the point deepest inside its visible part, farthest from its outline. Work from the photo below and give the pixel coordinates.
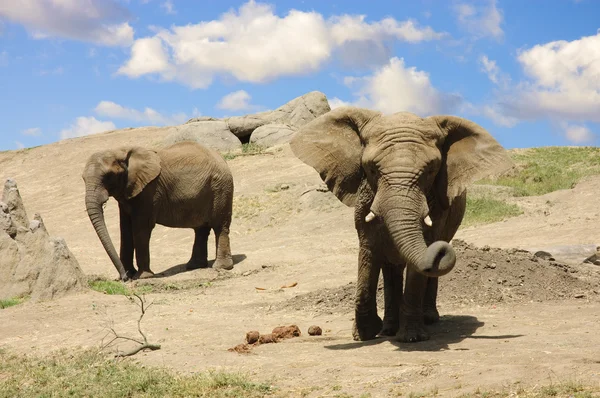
(180, 268)
(451, 329)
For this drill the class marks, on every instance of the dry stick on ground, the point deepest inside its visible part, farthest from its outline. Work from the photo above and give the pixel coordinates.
(143, 344)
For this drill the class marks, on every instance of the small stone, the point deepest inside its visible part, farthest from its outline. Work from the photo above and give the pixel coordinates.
(315, 331)
(579, 296)
(283, 187)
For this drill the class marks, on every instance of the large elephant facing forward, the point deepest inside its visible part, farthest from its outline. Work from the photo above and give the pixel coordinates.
(407, 178)
(183, 186)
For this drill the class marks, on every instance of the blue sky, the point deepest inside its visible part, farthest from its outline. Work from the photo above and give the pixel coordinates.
(529, 72)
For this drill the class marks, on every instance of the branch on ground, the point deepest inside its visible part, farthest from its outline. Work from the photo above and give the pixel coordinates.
(143, 343)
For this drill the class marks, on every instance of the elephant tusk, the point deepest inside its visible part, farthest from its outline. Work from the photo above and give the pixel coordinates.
(427, 221)
(370, 217)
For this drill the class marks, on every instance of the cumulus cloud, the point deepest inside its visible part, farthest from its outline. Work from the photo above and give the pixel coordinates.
(480, 20)
(97, 21)
(148, 115)
(577, 134)
(396, 87)
(253, 44)
(85, 126)
(33, 132)
(564, 82)
(490, 68)
(236, 101)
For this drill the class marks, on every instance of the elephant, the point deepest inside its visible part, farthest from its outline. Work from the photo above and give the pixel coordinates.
(406, 176)
(182, 186)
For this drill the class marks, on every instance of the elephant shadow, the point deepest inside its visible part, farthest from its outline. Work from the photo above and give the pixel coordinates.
(180, 268)
(451, 329)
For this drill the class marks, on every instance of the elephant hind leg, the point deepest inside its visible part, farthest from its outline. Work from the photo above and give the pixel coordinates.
(199, 257)
(392, 290)
(223, 257)
(430, 312)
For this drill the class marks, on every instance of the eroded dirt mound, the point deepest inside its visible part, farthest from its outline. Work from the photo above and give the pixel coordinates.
(482, 276)
(31, 262)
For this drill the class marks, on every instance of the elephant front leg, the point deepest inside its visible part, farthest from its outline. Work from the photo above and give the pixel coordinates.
(126, 252)
(367, 324)
(412, 328)
(430, 312)
(392, 291)
(199, 251)
(141, 239)
(223, 257)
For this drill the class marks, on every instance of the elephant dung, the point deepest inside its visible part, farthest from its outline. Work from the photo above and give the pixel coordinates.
(286, 332)
(315, 331)
(252, 336)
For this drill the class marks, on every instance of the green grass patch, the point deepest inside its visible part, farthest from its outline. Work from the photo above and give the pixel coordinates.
(11, 302)
(91, 374)
(118, 288)
(248, 149)
(543, 170)
(484, 210)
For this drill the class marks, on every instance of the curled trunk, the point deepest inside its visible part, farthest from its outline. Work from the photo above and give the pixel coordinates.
(402, 215)
(95, 197)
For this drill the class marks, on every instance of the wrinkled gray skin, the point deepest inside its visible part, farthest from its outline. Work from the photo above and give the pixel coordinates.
(183, 186)
(397, 170)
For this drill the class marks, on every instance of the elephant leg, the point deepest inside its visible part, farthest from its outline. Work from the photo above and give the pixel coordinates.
(392, 292)
(199, 257)
(223, 258)
(430, 312)
(141, 238)
(413, 328)
(367, 324)
(126, 252)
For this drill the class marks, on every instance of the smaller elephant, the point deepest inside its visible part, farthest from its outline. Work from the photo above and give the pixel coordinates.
(183, 186)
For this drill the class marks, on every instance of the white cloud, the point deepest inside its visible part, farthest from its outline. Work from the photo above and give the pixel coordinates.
(97, 21)
(148, 115)
(236, 101)
(59, 70)
(395, 87)
(19, 145)
(169, 7)
(480, 21)
(33, 132)
(490, 68)
(86, 126)
(577, 134)
(564, 82)
(335, 102)
(254, 44)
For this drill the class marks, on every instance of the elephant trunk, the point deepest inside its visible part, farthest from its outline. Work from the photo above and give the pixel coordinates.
(401, 211)
(96, 195)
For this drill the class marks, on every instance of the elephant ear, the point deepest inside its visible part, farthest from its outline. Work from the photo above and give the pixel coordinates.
(143, 166)
(331, 144)
(469, 153)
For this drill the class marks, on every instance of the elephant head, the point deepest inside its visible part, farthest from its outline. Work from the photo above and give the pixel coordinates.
(122, 174)
(411, 163)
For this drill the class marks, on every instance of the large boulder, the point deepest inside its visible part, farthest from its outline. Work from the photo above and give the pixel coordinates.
(31, 262)
(272, 134)
(294, 114)
(211, 133)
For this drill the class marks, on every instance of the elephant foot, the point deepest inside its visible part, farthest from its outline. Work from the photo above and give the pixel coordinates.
(143, 275)
(196, 265)
(412, 333)
(431, 316)
(390, 327)
(366, 327)
(223, 263)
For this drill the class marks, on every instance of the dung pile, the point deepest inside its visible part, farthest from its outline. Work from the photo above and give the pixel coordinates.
(482, 276)
(31, 262)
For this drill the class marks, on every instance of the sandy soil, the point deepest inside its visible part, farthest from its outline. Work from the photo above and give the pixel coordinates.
(509, 318)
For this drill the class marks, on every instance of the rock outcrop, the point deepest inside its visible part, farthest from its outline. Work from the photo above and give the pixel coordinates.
(31, 262)
(263, 128)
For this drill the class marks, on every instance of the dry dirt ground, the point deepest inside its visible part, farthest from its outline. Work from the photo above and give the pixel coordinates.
(509, 318)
